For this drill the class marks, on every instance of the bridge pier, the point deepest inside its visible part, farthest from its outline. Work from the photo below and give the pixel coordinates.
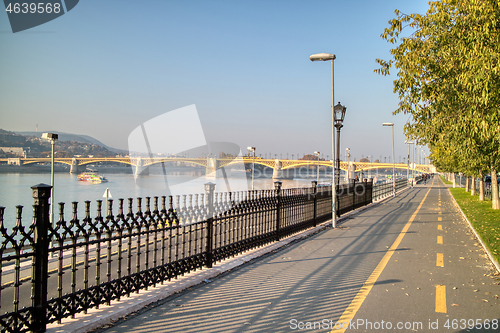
(279, 173)
(140, 169)
(75, 168)
(350, 174)
(14, 161)
(214, 170)
(211, 168)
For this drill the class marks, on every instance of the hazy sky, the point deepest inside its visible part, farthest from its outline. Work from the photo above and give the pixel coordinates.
(108, 66)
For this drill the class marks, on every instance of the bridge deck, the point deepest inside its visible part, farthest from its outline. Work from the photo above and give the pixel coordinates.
(222, 162)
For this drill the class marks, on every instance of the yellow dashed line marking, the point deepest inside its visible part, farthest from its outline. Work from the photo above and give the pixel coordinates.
(360, 297)
(440, 239)
(440, 218)
(441, 299)
(439, 260)
(440, 227)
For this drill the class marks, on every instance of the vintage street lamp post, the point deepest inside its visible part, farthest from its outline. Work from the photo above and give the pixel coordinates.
(339, 112)
(52, 138)
(317, 167)
(393, 162)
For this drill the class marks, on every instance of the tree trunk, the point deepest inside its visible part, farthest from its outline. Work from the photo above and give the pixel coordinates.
(495, 201)
(466, 184)
(472, 185)
(481, 186)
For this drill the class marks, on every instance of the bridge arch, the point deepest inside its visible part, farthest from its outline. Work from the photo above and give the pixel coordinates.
(46, 160)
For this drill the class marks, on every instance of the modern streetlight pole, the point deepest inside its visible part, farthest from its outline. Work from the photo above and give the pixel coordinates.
(317, 168)
(348, 155)
(327, 57)
(52, 138)
(393, 161)
(252, 149)
(414, 159)
(408, 162)
(418, 155)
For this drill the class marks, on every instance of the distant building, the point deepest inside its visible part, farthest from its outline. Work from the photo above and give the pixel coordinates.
(16, 151)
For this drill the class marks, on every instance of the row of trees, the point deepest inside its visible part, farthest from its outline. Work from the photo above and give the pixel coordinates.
(448, 81)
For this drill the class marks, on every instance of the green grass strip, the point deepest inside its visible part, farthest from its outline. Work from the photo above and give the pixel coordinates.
(445, 181)
(483, 218)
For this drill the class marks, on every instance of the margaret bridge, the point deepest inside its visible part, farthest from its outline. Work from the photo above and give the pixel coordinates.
(141, 164)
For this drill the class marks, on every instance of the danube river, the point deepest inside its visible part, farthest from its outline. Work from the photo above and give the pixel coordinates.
(15, 189)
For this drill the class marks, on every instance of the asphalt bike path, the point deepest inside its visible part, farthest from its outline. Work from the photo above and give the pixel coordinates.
(411, 259)
(441, 278)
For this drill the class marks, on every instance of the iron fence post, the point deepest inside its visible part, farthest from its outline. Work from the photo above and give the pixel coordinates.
(209, 195)
(370, 197)
(277, 189)
(353, 193)
(365, 201)
(315, 200)
(41, 194)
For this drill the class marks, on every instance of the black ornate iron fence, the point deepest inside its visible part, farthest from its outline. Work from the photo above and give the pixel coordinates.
(49, 273)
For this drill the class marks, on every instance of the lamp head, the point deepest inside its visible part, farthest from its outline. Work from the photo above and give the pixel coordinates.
(50, 136)
(322, 57)
(339, 114)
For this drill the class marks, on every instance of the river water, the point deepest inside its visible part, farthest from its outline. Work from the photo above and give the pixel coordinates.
(15, 189)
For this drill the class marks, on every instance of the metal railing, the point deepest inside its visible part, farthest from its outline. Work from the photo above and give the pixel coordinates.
(487, 186)
(488, 190)
(384, 190)
(49, 273)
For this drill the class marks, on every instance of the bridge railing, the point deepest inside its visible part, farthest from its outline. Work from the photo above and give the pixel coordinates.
(49, 273)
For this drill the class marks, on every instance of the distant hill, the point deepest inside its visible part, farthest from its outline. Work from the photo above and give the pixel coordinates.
(75, 137)
(68, 145)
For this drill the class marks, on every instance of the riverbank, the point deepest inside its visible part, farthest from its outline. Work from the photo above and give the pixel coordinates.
(32, 168)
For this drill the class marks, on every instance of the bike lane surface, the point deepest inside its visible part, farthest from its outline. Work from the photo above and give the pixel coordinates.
(442, 280)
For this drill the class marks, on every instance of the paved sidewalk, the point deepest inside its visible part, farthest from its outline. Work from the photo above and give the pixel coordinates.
(365, 270)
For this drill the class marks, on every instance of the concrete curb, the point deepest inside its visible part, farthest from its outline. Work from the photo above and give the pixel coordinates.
(492, 259)
(106, 315)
